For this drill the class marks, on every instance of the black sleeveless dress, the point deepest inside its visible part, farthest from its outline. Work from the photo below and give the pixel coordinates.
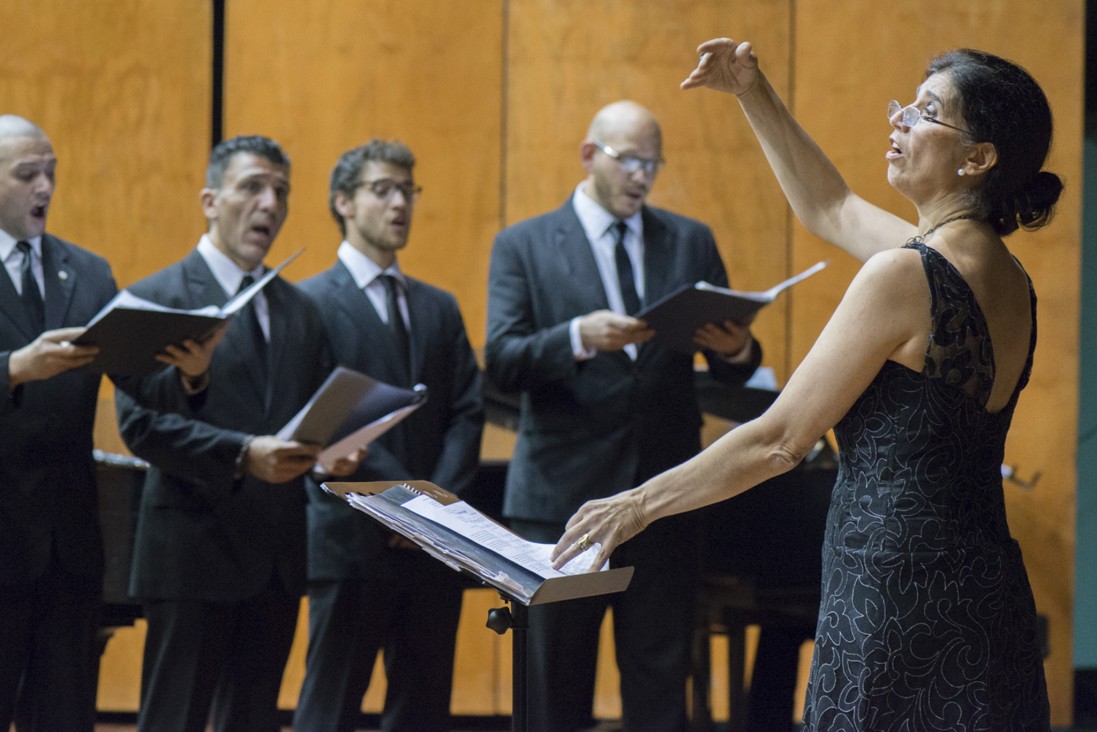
(927, 620)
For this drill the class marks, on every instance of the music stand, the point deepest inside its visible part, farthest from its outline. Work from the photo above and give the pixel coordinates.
(470, 542)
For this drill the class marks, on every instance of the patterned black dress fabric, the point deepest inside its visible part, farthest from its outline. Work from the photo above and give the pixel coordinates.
(927, 620)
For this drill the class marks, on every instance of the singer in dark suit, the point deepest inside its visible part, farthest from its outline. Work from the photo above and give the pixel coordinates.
(51, 548)
(602, 409)
(370, 590)
(219, 555)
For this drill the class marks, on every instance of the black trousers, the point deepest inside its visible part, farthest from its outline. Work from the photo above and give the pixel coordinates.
(653, 627)
(773, 684)
(219, 662)
(49, 657)
(412, 616)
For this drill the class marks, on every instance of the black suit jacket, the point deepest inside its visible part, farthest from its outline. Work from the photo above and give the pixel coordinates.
(588, 429)
(47, 477)
(439, 442)
(203, 534)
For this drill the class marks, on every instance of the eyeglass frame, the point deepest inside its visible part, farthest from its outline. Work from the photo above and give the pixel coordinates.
(631, 163)
(912, 115)
(410, 190)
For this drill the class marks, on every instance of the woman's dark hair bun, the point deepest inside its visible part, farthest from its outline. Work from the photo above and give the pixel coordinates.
(1031, 207)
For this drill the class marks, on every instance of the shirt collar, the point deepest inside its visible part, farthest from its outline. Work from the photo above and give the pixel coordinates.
(8, 242)
(227, 273)
(596, 220)
(363, 269)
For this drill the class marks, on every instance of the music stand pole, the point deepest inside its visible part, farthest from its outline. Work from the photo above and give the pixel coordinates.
(517, 621)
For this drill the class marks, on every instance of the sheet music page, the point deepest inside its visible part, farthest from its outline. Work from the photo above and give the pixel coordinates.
(431, 537)
(766, 296)
(467, 521)
(351, 409)
(774, 291)
(363, 436)
(127, 300)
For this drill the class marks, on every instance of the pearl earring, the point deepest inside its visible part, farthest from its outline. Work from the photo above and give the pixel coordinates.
(959, 171)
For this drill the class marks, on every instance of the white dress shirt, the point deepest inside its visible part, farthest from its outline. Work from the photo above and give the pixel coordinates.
(13, 261)
(598, 225)
(229, 275)
(367, 275)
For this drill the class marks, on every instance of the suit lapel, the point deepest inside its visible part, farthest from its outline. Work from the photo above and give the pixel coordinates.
(415, 328)
(574, 251)
(11, 306)
(204, 289)
(658, 265)
(278, 344)
(60, 280)
(348, 296)
(658, 260)
(362, 317)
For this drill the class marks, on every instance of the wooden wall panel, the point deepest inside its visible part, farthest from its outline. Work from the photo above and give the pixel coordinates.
(122, 89)
(843, 80)
(568, 59)
(322, 77)
(325, 76)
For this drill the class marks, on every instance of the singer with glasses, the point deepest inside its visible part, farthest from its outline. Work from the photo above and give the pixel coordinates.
(372, 592)
(603, 408)
(927, 619)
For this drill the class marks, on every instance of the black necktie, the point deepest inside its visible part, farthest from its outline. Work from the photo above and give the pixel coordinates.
(255, 331)
(31, 296)
(396, 324)
(625, 279)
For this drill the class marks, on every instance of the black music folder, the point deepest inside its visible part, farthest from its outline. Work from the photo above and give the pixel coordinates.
(349, 411)
(676, 316)
(131, 330)
(466, 540)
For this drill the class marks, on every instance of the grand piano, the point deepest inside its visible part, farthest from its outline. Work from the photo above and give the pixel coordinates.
(120, 479)
(762, 550)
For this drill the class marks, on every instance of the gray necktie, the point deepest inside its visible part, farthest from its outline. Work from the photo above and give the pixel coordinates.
(255, 331)
(31, 296)
(396, 325)
(625, 279)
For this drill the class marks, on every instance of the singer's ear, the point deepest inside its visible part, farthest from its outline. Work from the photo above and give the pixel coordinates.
(207, 197)
(344, 204)
(586, 154)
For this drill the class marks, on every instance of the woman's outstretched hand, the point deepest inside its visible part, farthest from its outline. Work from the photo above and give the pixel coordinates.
(724, 65)
(606, 522)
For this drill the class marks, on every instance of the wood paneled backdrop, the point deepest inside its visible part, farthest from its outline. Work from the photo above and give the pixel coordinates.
(494, 97)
